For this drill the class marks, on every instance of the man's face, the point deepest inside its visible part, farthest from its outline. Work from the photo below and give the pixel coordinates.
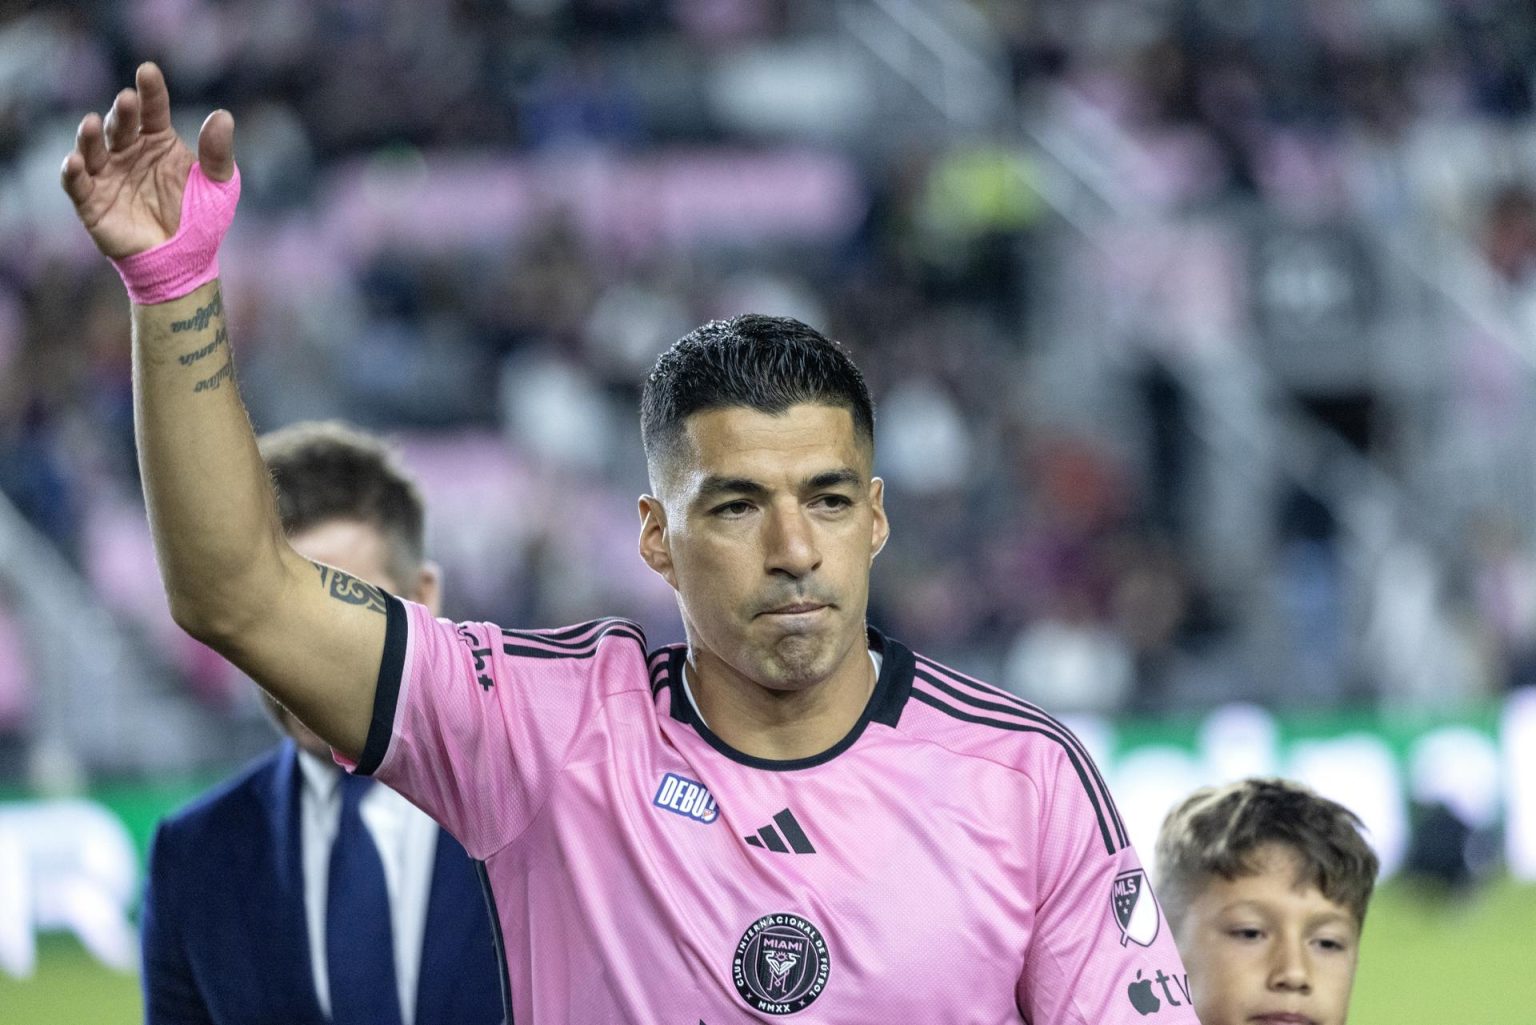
(766, 527)
(362, 550)
(1265, 949)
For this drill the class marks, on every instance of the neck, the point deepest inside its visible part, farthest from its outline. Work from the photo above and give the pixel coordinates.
(780, 724)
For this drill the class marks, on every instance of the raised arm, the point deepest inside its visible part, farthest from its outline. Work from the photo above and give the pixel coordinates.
(310, 635)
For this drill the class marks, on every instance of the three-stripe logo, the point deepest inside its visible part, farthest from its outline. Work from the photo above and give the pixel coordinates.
(774, 839)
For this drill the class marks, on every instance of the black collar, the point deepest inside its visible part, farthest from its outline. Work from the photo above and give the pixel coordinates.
(885, 704)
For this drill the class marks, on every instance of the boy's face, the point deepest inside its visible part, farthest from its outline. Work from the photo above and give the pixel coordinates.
(1265, 949)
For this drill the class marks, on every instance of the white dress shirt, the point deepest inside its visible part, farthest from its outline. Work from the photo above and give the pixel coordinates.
(407, 843)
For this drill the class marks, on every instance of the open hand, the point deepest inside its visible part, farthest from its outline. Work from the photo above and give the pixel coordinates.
(126, 175)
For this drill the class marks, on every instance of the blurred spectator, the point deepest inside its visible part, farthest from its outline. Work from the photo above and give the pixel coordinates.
(1504, 592)
(478, 222)
(1071, 661)
(1510, 237)
(15, 672)
(581, 100)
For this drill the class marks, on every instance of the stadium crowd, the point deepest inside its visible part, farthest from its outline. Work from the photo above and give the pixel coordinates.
(473, 224)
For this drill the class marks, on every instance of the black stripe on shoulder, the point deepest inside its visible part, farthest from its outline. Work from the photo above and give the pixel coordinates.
(657, 667)
(1110, 844)
(563, 633)
(678, 705)
(579, 636)
(1008, 704)
(386, 689)
(1013, 705)
(588, 647)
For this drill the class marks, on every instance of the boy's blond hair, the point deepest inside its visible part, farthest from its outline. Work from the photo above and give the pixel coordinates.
(1216, 831)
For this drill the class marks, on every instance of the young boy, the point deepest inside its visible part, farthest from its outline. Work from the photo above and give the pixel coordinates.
(1265, 885)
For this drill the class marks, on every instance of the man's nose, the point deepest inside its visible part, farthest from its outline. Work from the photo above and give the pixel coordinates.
(790, 541)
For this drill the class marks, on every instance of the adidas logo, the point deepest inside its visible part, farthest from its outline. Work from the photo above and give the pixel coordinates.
(771, 839)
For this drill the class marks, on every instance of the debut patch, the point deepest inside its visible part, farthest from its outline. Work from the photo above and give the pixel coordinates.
(686, 797)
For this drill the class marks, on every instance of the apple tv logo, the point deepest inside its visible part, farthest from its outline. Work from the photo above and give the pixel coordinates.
(1142, 997)
(1146, 1002)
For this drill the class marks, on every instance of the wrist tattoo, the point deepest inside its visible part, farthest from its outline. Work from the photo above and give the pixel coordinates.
(202, 316)
(186, 359)
(347, 588)
(225, 372)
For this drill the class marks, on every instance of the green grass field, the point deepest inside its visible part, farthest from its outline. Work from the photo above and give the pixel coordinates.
(1471, 963)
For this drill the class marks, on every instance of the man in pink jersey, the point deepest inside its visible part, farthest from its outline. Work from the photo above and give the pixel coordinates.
(792, 815)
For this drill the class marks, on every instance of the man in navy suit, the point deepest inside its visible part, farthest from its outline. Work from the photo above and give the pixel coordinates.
(294, 893)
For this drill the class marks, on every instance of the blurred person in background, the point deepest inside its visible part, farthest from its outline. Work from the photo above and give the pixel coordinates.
(790, 810)
(295, 892)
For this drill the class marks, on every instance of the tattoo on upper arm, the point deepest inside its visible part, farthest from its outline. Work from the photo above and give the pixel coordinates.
(202, 316)
(345, 587)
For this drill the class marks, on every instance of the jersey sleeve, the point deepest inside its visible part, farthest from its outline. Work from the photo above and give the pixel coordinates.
(473, 723)
(1101, 953)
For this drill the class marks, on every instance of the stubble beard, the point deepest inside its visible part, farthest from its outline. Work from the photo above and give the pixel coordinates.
(800, 661)
(788, 663)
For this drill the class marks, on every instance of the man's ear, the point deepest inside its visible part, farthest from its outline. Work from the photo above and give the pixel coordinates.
(429, 587)
(882, 526)
(655, 541)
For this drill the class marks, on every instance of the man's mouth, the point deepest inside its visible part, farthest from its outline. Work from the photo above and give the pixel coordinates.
(795, 608)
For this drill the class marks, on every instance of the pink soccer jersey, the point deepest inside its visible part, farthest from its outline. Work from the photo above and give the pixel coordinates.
(956, 858)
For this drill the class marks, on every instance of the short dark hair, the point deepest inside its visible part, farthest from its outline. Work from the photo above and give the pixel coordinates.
(764, 363)
(1217, 831)
(326, 471)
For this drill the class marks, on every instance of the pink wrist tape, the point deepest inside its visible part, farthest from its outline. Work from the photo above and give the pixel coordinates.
(188, 259)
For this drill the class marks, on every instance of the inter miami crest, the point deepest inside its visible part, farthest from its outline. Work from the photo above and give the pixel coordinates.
(1135, 908)
(781, 964)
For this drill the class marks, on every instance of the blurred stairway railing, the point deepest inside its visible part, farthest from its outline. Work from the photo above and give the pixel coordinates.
(103, 704)
(1254, 428)
(940, 50)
